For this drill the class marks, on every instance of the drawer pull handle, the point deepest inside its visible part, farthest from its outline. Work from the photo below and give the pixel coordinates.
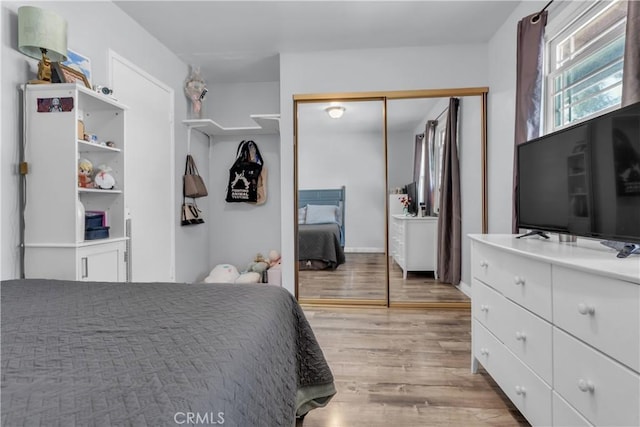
(484, 263)
(484, 308)
(586, 386)
(521, 391)
(586, 309)
(518, 280)
(484, 352)
(521, 336)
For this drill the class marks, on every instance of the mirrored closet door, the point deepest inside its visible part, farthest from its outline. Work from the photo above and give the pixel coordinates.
(357, 171)
(341, 191)
(415, 139)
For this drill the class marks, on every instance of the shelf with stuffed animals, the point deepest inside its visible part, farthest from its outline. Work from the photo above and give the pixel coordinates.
(75, 216)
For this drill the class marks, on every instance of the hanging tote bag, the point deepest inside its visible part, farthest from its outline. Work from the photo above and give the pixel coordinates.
(191, 214)
(244, 174)
(193, 184)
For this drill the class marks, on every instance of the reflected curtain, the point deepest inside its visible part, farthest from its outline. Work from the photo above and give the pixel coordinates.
(529, 76)
(417, 158)
(430, 179)
(423, 155)
(631, 73)
(450, 217)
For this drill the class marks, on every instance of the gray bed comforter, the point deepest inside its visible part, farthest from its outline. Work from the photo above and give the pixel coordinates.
(102, 354)
(320, 242)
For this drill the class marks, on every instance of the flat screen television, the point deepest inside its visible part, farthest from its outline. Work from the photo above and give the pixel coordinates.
(412, 193)
(584, 180)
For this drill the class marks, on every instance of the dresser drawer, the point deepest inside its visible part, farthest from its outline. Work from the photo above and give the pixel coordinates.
(525, 334)
(601, 311)
(602, 390)
(526, 390)
(487, 306)
(565, 415)
(529, 337)
(521, 279)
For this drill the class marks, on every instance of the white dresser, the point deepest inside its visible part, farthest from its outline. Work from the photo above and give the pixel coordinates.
(557, 326)
(413, 243)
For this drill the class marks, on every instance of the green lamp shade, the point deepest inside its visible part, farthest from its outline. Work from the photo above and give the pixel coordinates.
(41, 29)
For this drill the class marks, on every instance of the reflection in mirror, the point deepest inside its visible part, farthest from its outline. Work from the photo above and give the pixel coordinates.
(341, 201)
(416, 130)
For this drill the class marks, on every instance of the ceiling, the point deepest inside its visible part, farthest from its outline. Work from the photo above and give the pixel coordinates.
(239, 41)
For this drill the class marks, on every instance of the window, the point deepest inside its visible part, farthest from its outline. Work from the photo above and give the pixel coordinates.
(585, 58)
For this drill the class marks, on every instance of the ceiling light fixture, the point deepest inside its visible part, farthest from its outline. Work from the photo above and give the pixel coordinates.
(335, 111)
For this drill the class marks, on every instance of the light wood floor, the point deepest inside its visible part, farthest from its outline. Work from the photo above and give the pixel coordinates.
(404, 368)
(363, 276)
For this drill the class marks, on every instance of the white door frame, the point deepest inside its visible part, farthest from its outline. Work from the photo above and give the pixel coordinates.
(113, 57)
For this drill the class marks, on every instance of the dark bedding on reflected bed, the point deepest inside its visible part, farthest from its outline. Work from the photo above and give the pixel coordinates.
(319, 246)
(150, 354)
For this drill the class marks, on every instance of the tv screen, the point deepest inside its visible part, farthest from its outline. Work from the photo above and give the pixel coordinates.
(412, 193)
(584, 180)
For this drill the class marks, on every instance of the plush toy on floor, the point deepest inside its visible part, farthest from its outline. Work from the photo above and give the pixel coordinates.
(255, 270)
(223, 273)
(274, 258)
(274, 274)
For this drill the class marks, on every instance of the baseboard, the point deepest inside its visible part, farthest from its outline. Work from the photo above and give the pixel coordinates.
(464, 288)
(364, 250)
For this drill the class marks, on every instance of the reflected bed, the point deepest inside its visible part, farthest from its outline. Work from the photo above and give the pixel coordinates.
(321, 228)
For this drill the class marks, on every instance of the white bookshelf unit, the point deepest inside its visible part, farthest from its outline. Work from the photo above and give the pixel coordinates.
(54, 232)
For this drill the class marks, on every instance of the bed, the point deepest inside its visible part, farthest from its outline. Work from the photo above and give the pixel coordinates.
(321, 228)
(154, 354)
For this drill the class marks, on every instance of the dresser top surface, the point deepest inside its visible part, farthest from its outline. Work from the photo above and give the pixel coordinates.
(404, 217)
(585, 254)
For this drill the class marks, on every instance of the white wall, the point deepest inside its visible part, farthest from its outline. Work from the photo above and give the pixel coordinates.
(363, 70)
(400, 150)
(93, 28)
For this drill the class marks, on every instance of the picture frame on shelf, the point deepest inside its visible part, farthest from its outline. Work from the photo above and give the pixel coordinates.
(78, 62)
(60, 73)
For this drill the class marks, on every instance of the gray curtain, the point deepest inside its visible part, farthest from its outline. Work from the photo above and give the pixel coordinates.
(631, 73)
(417, 158)
(529, 75)
(424, 148)
(449, 219)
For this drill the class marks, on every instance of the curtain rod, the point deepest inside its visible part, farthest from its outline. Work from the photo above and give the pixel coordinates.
(440, 115)
(535, 18)
(421, 135)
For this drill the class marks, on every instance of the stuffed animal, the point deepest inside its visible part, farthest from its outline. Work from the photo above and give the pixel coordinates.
(259, 264)
(104, 180)
(274, 259)
(223, 273)
(255, 270)
(249, 277)
(85, 171)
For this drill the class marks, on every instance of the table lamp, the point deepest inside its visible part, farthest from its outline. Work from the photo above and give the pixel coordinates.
(42, 34)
